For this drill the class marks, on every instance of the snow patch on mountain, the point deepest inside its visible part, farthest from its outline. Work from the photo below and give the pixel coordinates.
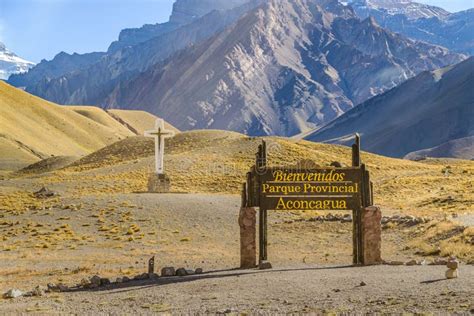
(11, 63)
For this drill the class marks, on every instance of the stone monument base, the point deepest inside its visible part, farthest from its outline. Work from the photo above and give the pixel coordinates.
(372, 235)
(159, 183)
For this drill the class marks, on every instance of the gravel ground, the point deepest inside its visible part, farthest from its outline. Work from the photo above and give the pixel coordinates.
(304, 289)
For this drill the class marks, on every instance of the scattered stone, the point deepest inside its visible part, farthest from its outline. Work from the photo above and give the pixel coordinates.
(104, 282)
(38, 291)
(181, 272)
(95, 280)
(440, 262)
(452, 274)
(44, 193)
(168, 272)
(190, 272)
(85, 283)
(394, 263)
(199, 271)
(13, 293)
(52, 287)
(347, 218)
(363, 283)
(411, 263)
(142, 276)
(454, 264)
(265, 265)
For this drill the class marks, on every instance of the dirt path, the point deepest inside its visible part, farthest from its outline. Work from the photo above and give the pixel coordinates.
(305, 289)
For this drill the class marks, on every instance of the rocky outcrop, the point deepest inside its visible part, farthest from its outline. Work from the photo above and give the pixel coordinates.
(422, 22)
(283, 68)
(63, 63)
(186, 11)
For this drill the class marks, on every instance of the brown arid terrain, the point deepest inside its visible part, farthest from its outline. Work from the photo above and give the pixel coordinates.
(101, 222)
(32, 129)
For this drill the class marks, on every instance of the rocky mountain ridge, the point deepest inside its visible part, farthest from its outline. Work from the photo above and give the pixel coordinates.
(412, 10)
(284, 68)
(431, 114)
(267, 67)
(184, 12)
(422, 22)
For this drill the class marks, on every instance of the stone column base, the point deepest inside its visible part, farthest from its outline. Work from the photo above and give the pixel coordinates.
(248, 237)
(159, 183)
(372, 235)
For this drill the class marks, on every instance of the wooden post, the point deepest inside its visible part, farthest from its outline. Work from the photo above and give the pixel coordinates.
(357, 252)
(151, 265)
(261, 165)
(356, 161)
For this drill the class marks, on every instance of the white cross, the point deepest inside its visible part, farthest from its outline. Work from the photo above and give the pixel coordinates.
(159, 133)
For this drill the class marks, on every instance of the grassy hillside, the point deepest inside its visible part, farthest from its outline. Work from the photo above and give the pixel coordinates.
(138, 121)
(217, 161)
(32, 129)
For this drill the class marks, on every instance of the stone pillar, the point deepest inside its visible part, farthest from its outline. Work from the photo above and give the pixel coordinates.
(248, 240)
(372, 235)
(159, 183)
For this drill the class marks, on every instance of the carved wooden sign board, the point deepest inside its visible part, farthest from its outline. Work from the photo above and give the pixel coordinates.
(284, 189)
(295, 188)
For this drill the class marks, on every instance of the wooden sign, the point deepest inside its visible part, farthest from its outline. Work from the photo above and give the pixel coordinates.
(299, 188)
(284, 189)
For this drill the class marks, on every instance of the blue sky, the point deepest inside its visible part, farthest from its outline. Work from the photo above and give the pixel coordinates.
(37, 29)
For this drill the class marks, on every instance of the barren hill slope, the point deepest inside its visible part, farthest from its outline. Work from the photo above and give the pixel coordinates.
(137, 121)
(32, 129)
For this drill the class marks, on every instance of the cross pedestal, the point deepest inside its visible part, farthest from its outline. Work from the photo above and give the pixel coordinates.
(159, 182)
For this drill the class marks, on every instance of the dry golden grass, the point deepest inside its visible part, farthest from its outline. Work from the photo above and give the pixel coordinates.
(443, 238)
(32, 129)
(48, 129)
(217, 161)
(139, 121)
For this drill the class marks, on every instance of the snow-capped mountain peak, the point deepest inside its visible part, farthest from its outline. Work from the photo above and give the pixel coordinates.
(11, 63)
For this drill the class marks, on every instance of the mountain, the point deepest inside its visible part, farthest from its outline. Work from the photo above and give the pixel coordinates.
(118, 57)
(383, 8)
(32, 129)
(460, 148)
(284, 68)
(11, 63)
(264, 67)
(61, 64)
(433, 112)
(422, 22)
